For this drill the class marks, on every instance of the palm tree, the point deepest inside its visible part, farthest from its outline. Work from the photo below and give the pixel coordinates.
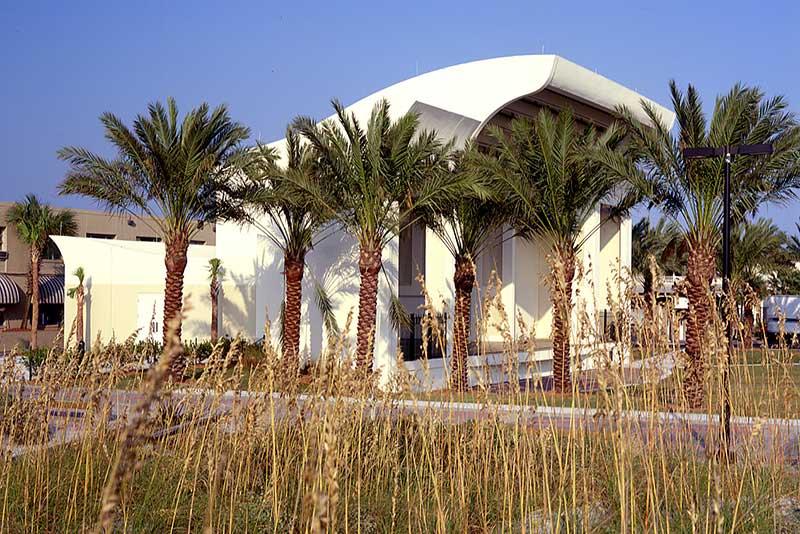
(785, 276)
(35, 223)
(79, 294)
(758, 249)
(553, 186)
(293, 224)
(171, 171)
(689, 192)
(215, 274)
(794, 241)
(662, 244)
(371, 181)
(467, 226)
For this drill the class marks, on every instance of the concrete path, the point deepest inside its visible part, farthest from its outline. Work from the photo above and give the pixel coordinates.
(770, 439)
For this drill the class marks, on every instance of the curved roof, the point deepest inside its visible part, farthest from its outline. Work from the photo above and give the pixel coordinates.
(459, 100)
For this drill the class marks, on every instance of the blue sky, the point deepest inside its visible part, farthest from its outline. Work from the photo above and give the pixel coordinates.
(64, 63)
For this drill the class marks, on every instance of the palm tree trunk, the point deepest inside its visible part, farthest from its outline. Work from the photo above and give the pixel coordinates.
(563, 264)
(369, 266)
(463, 281)
(35, 264)
(79, 303)
(699, 272)
(293, 272)
(214, 313)
(175, 261)
(29, 299)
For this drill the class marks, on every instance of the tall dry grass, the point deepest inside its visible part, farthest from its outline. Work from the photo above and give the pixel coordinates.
(330, 451)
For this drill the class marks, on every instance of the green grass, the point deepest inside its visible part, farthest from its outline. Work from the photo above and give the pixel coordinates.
(159, 499)
(752, 389)
(401, 476)
(772, 355)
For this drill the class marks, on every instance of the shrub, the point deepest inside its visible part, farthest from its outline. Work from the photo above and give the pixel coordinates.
(202, 350)
(34, 358)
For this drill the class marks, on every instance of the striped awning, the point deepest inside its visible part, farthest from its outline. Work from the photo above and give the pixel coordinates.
(51, 289)
(9, 290)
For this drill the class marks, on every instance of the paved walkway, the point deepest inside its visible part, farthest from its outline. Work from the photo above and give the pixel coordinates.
(772, 439)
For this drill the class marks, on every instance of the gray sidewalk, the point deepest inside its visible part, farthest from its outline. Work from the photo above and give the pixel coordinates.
(776, 439)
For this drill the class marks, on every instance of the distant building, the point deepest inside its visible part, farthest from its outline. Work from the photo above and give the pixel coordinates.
(15, 269)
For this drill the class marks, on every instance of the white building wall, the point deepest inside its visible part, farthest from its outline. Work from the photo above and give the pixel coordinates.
(118, 273)
(254, 289)
(439, 269)
(626, 243)
(590, 287)
(601, 257)
(238, 248)
(532, 268)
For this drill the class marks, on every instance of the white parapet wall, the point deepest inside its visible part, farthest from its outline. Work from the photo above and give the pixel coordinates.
(124, 283)
(507, 367)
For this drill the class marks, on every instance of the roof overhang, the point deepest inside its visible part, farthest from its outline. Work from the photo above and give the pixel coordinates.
(9, 291)
(463, 98)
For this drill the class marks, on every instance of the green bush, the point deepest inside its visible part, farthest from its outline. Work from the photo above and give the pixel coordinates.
(202, 350)
(149, 348)
(34, 358)
(253, 353)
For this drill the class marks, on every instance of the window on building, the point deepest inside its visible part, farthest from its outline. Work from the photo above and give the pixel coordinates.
(51, 251)
(51, 314)
(406, 257)
(607, 322)
(412, 340)
(148, 239)
(3, 249)
(91, 235)
(491, 259)
(197, 242)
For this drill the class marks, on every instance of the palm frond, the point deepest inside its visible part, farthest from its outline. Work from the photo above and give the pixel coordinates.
(689, 192)
(215, 270)
(664, 242)
(373, 179)
(326, 309)
(550, 174)
(398, 315)
(758, 250)
(35, 222)
(164, 168)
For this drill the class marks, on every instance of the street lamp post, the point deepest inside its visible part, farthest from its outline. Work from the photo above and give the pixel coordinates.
(727, 152)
